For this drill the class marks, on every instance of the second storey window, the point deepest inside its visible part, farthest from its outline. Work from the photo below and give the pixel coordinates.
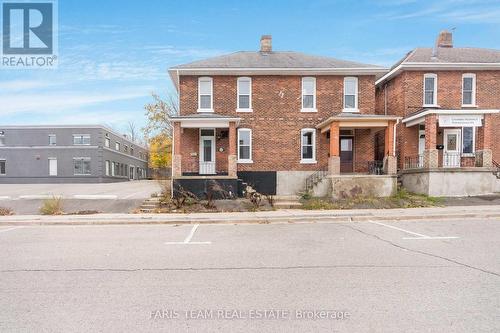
(81, 139)
(244, 94)
(2, 138)
(244, 145)
(469, 90)
(430, 90)
(308, 94)
(107, 141)
(52, 140)
(205, 94)
(117, 146)
(308, 145)
(350, 94)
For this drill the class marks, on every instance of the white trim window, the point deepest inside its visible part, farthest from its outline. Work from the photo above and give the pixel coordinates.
(117, 146)
(469, 89)
(52, 140)
(430, 89)
(2, 138)
(308, 94)
(107, 141)
(3, 167)
(81, 166)
(350, 94)
(205, 94)
(244, 91)
(81, 139)
(244, 145)
(108, 167)
(468, 141)
(308, 145)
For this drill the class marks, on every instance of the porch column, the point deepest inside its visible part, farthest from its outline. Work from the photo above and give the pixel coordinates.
(484, 155)
(390, 164)
(334, 159)
(232, 157)
(430, 152)
(176, 156)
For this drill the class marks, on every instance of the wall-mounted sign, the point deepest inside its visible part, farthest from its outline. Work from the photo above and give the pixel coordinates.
(460, 120)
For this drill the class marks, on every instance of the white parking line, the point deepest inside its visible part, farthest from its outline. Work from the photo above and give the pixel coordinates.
(187, 240)
(9, 229)
(419, 236)
(4, 197)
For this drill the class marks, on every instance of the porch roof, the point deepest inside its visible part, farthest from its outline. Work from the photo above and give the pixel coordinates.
(205, 120)
(418, 117)
(357, 120)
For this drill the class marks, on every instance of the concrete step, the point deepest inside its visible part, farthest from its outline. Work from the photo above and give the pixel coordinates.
(287, 204)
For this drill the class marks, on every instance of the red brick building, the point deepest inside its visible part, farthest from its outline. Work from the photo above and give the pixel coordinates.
(449, 99)
(282, 122)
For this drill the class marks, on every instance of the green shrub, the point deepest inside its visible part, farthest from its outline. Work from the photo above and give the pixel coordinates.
(52, 206)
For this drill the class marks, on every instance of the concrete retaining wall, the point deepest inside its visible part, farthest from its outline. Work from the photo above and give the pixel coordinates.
(348, 186)
(450, 182)
(290, 183)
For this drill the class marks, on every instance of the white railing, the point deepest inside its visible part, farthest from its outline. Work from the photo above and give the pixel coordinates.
(207, 168)
(451, 160)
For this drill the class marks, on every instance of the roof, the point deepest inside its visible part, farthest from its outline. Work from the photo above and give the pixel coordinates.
(284, 59)
(358, 118)
(466, 58)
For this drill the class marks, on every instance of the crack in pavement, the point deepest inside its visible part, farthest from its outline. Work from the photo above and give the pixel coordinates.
(421, 252)
(218, 268)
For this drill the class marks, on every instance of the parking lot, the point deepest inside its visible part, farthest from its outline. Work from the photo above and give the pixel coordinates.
(409, 276)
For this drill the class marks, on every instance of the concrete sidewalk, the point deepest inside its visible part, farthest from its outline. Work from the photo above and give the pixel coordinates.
(280, 216)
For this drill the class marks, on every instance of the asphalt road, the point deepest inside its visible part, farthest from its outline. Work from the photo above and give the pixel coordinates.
(323, 277)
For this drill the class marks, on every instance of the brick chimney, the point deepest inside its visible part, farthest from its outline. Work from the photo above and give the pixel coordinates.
(266, 43)
(445, 39)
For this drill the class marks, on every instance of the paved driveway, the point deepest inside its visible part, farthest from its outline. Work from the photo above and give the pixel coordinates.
(409, 276)
(124, 190)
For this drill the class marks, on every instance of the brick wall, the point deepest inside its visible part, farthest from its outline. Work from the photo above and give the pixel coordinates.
(276, 119)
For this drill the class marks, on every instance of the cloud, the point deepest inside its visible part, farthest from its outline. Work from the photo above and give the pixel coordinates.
(23, 85)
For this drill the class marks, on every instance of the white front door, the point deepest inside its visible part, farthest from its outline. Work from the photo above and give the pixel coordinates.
(207, 152)
(451, 153)
(421, 147)
(52, 167)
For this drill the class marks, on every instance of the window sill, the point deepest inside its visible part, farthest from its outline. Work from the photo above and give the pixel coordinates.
(468, 155)
(244, 110)
(351, 110)
(205, 110)
(244, 161)
(469, 106)
(431, 106)
(308, 162)
(308, 110)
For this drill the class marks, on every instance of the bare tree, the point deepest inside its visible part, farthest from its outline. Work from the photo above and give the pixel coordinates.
(159, 112)
(132, 131)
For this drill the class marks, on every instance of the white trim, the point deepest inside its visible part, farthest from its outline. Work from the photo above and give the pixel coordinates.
(473, 98)
(82, 136)
(410, 120)
(313, 159)
(356, 93)
(196, 122)
(436, 66)
(313, 80)
(434, 93)
(249, 160)
(249, 109)
(206, 79)
(201, 156)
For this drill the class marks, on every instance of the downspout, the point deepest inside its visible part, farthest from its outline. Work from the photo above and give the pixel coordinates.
(394, 138)
(385, 99)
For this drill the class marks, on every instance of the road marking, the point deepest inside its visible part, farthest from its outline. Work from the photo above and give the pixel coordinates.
(9, 229)
(95, 196)
(187, 240)
(39, 196)
(419, 236)
(4, 197)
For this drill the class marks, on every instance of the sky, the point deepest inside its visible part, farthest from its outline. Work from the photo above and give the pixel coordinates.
(114, 53)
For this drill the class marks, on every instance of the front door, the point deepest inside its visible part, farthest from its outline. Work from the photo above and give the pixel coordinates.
(131, 173)
(346, 155)
(52, 167)
(421, 147)
(451, 153)
(207, 152)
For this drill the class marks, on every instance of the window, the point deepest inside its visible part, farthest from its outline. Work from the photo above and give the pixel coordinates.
(2, 167)
(125, 148)
(205, 92)
(108, 167)
(113, 169)
(308, 94)
(131, 151)
(81, 139)
(430, 90)
(2, 138)
(350, 94)
(52, 140)
(469, 90)
(107, 141)
(52, 166)
(244, 94)
(308, 145)
(81, 166)
(468, 134)
(117, 146)
(244, 145)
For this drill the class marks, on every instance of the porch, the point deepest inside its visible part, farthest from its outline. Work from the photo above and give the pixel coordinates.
(454, 156)
(361, 158)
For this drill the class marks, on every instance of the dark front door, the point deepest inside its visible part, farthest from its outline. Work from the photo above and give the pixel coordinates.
(346, 155)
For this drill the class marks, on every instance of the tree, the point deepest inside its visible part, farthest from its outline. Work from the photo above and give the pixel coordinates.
(160, 151)
(132, 131)
(158, 113)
